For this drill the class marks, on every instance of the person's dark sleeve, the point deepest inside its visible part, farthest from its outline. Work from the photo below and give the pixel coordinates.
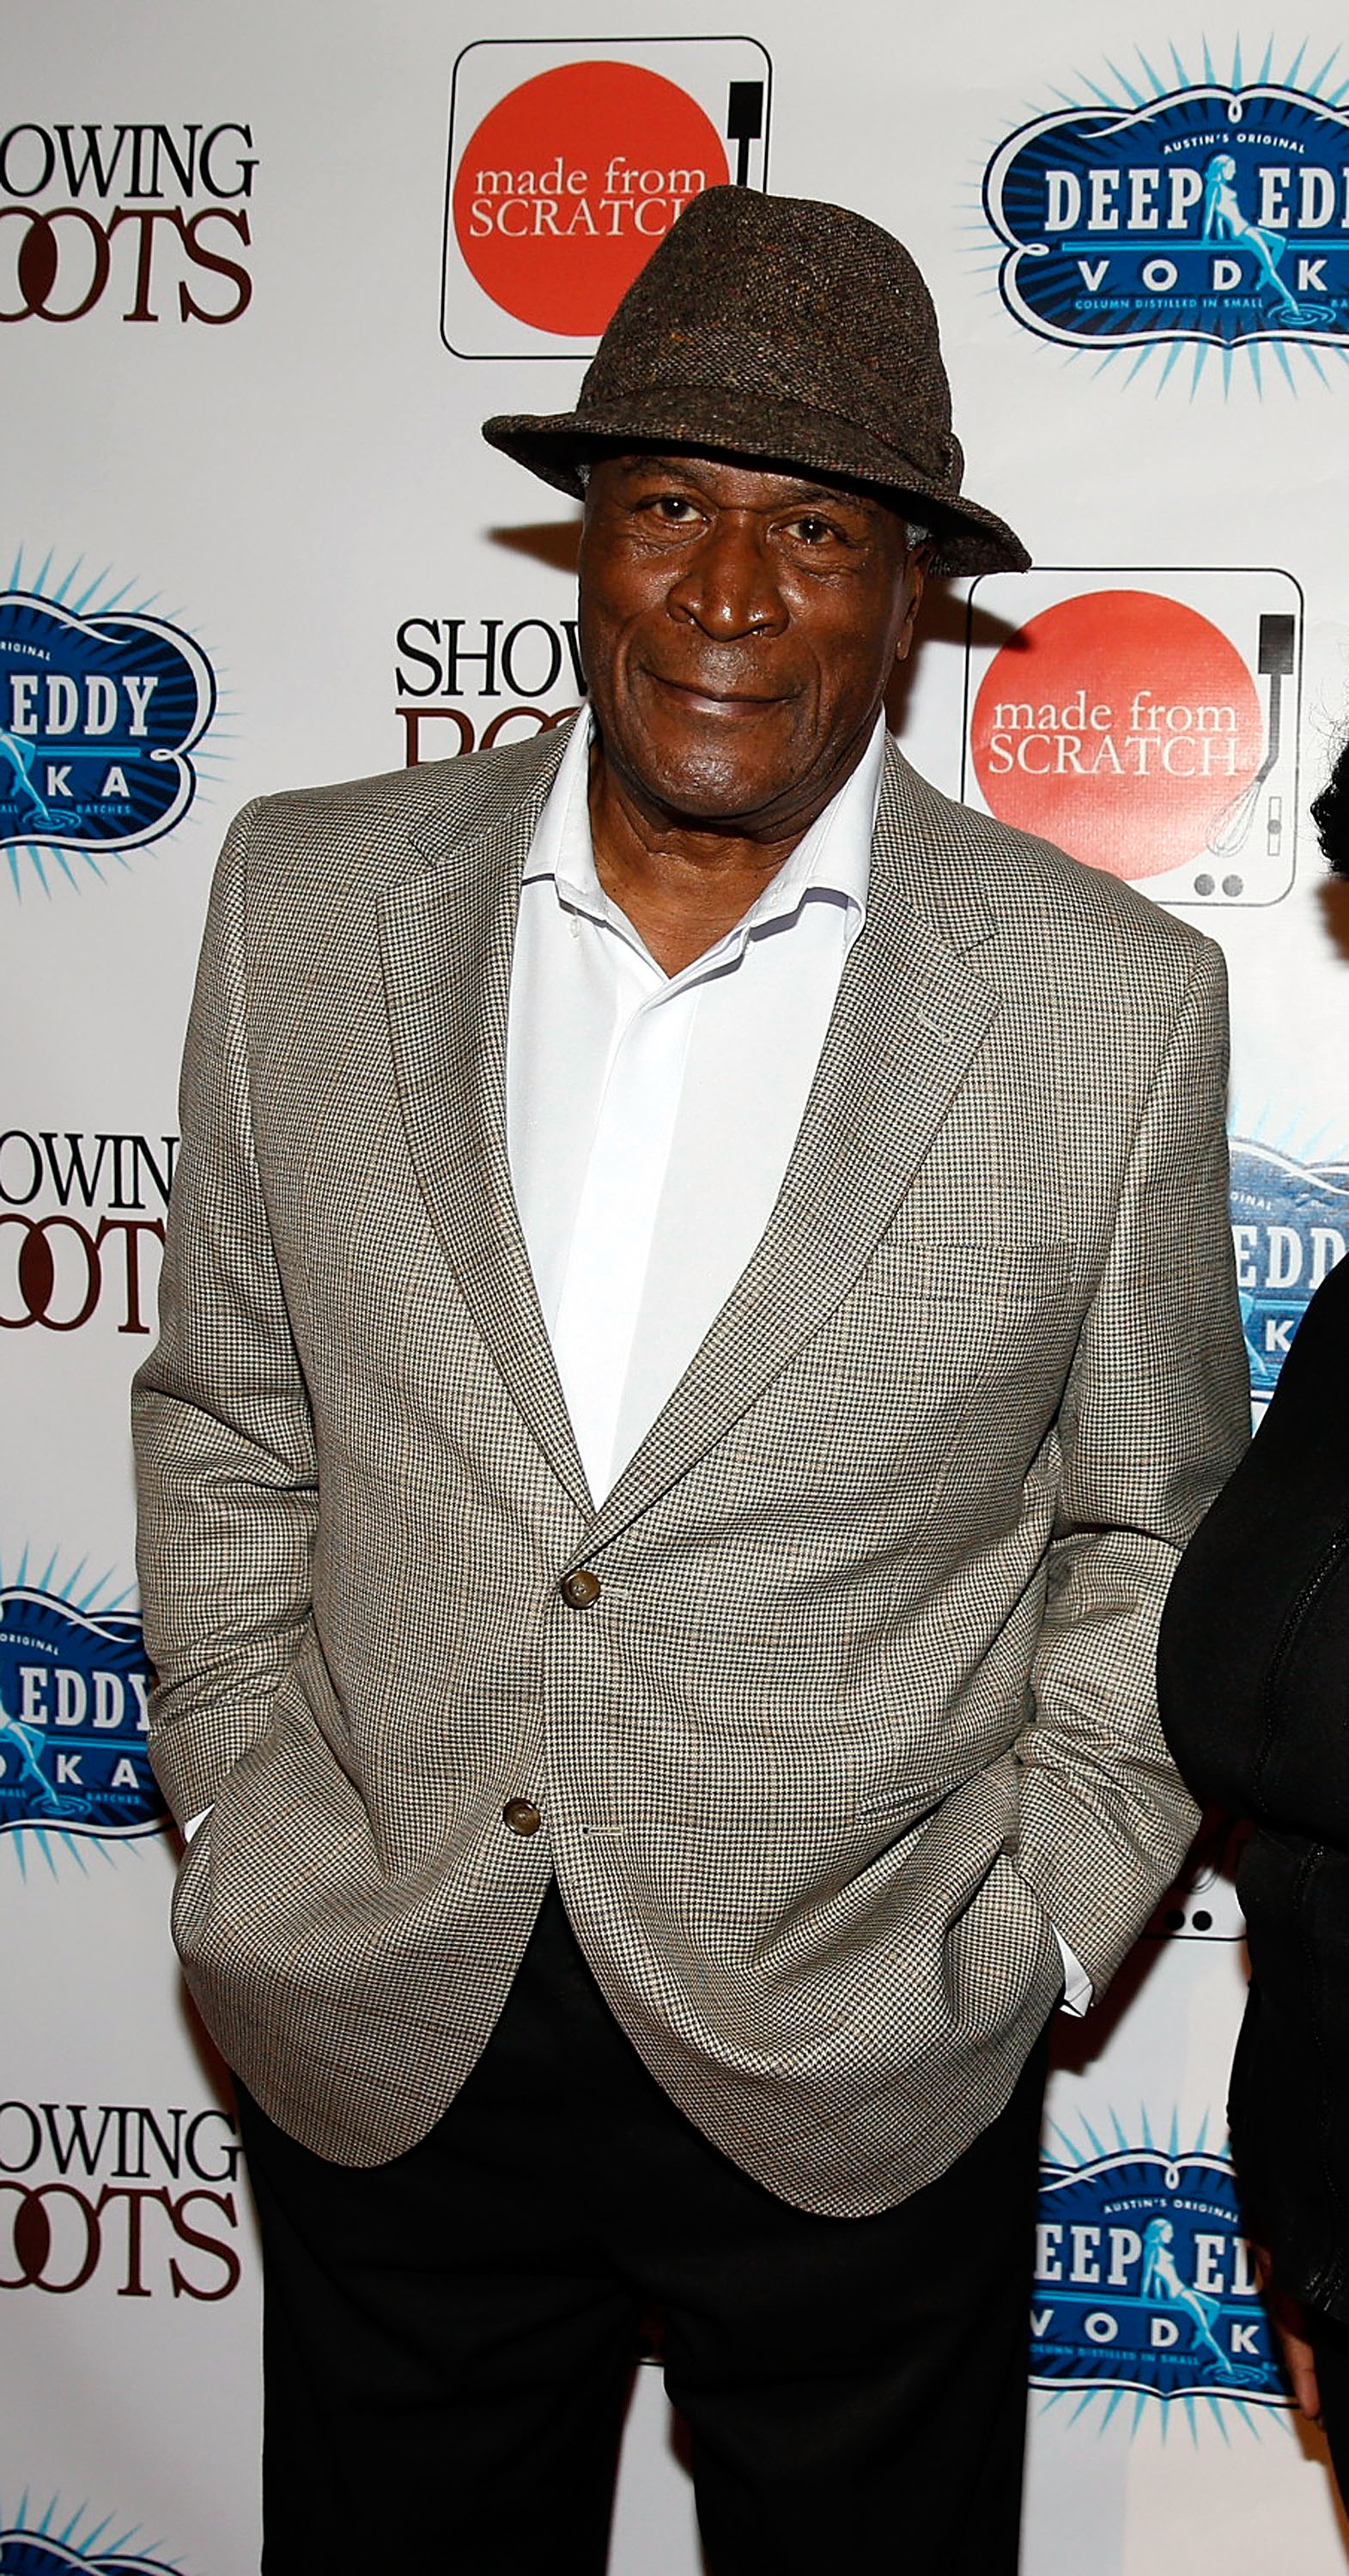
(1253, 1659)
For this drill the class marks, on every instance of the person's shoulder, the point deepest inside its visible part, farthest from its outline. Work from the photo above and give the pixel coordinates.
(1035, 897)
(382, 824)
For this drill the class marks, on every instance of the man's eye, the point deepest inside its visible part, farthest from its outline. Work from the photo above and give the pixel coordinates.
(674, 508)
(813, 531)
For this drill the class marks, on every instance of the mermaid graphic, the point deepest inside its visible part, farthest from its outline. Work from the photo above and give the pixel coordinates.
(1224, 221)
(23, 1744)
(22, 758)
(1162, 2282)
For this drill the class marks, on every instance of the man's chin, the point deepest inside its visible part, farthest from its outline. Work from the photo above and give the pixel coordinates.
(706, 792)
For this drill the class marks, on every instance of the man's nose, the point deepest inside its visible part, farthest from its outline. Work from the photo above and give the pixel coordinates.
(729, 587)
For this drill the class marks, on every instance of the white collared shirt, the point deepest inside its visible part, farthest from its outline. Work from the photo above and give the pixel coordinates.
(651, 1117)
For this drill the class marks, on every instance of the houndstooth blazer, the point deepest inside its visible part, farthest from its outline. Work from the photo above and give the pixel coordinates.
(863, 1707)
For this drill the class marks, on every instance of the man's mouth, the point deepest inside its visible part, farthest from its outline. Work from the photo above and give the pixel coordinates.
(698, 695)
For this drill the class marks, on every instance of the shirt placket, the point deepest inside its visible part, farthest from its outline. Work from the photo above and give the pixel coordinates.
(616, 1212)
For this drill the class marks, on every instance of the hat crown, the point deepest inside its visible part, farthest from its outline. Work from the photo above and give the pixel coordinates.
(794, 302)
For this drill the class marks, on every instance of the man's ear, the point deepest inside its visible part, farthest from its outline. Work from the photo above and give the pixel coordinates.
(915, 576)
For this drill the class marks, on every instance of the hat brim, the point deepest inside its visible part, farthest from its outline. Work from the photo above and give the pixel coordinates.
(968, 539)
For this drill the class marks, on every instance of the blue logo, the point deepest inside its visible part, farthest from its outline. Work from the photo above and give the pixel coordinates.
(74, 1686)
(28, 2550)
(102, 706)
(1208, 211)
(28, 2553)
(1290, 1226)
(1144, 2281)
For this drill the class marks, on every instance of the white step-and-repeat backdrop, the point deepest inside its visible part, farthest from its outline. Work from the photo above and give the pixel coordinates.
(262, 272)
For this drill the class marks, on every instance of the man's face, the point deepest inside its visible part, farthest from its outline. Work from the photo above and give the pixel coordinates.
(739, 629)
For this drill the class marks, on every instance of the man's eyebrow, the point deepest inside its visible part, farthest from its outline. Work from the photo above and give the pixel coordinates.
(684, 469)
(831, 497)
(827, 496)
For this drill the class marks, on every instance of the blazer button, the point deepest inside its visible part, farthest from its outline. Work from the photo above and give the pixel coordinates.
(580, 1588)
(521, 1816)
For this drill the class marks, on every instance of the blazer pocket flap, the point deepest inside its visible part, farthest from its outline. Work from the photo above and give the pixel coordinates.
(995, 1274)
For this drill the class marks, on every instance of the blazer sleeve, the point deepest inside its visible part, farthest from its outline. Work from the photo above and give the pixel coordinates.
(226, 1471)
(1155, 1414)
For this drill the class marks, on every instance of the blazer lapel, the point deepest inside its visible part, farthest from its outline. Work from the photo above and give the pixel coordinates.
(446, 938)
(910, 1016)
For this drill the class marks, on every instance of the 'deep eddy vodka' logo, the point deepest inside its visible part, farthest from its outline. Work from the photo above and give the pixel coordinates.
(101, 708)
(74, 1726)
(53, 2546)
(1145, 2282)
(1181, 209)
(569, 160)
(1290, 1227)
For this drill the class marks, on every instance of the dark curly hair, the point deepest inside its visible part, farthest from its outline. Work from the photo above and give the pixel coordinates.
(1330, 814)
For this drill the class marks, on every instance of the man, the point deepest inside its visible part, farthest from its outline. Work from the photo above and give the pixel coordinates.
(698, 1314)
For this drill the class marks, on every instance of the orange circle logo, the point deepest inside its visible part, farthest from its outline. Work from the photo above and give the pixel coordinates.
(569, 183)
(1121, 725)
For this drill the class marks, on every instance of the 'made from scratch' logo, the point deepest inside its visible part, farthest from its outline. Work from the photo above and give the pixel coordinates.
(1290, 1227)
(147, 220)
(1189, 209)
(74, 1716)
(100, 710)
(1201, 1902)
(1144, 2281)
(568, 162)
(1146, 721)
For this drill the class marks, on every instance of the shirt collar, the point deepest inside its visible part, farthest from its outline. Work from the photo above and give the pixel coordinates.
(832, 858)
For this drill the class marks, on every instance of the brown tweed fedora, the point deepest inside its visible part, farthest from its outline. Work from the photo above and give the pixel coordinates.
(789, 333)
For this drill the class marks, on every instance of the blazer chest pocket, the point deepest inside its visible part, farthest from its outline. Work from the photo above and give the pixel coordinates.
(929, 1318)
(959, 1308)
(965, 1276)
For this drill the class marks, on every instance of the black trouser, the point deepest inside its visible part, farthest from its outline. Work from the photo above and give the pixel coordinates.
(449, 2338)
